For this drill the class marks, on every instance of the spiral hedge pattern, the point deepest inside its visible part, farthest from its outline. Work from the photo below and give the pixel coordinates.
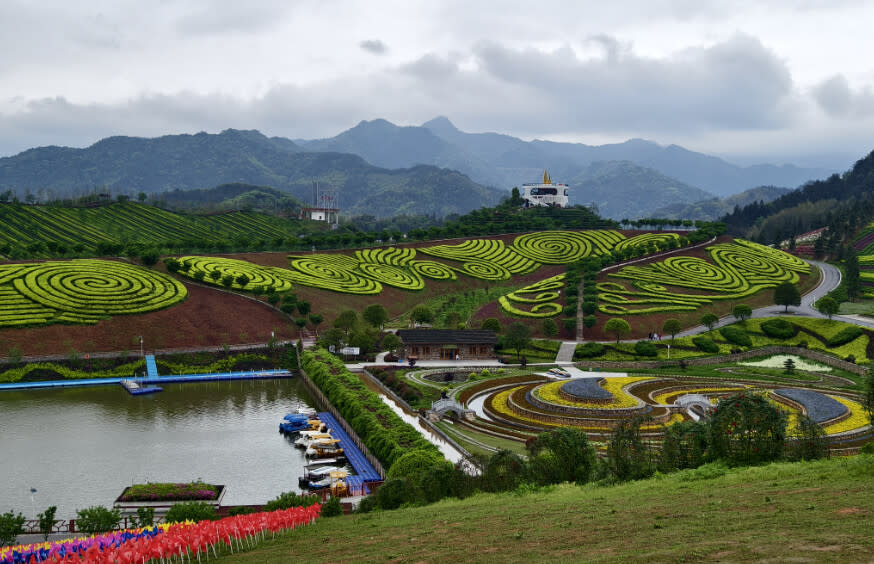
(81, 291)
(478, 251)
(646, 239)
(264, 276)
(562, 247)
(737, 269)
(332, 272)
(544, 293)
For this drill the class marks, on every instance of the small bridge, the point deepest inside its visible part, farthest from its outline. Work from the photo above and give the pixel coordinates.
(690, 401)
(444, 405)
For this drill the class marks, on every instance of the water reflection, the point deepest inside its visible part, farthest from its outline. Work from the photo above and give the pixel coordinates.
(81, 447)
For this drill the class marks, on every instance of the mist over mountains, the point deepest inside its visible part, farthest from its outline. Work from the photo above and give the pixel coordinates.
(382, 169)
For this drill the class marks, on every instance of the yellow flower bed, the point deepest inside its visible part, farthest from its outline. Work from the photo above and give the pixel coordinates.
(550, 393)
(499, 404)
(663, 397)
(857, 419)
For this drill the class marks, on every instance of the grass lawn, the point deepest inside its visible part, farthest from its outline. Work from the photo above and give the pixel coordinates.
(813, 512)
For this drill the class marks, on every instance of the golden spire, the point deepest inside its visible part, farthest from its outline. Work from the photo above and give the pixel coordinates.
(546, 178)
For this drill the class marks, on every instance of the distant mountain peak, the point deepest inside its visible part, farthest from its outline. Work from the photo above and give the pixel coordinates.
(440, 124)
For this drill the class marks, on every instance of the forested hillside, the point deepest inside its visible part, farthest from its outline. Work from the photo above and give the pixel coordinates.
(129, 165)
(844, 202)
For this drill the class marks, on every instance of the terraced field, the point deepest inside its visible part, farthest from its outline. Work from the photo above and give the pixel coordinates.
(128, 221)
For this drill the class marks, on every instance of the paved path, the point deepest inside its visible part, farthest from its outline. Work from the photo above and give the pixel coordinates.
(566, 352)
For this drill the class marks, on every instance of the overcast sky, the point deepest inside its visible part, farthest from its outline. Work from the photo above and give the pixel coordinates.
(744, 79)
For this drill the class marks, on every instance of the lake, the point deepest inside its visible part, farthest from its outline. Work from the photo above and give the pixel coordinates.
(82, 447)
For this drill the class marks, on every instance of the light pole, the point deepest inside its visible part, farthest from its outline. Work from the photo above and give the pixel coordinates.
(32, 503)
(142, 354)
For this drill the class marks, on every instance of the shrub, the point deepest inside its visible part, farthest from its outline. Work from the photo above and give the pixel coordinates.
(779, 329)
(290, 499)
(747, 429)
(589, 307)
(569, 310)
(11, 525)
(97, 519)
(589, 350)
(569, 323)
(191, 511)
(848, 334)
(684, 446)
(645, 348)
(705, 344)
(332, 508)
(736, 335)
(145, 517)
(47, 521)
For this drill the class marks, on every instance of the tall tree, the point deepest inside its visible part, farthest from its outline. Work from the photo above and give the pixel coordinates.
(518, 336)
(617, 327)
(376, 315)
(787, 294)
(708, 320)
(827, 306)
(422, 314)
(742, 312)
(672, 327)
(347, 319)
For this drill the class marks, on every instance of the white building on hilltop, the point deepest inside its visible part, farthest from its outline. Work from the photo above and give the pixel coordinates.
(546, 193)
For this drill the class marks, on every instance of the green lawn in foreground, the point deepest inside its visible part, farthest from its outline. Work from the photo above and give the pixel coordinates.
(812, 512)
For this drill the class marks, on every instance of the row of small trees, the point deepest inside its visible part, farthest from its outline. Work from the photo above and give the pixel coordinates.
(744, 430)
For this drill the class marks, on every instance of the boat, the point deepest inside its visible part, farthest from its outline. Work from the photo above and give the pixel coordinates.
(316, 475)
(324, 449)
(296, 422)
(307, 440)
(320, 484)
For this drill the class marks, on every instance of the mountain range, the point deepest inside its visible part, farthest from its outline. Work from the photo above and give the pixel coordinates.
(382, 169)
(503, 161)
(190, 162)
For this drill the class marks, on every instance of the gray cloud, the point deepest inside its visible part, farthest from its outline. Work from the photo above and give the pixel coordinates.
(836, 98)
(728, 93)
(374, 46)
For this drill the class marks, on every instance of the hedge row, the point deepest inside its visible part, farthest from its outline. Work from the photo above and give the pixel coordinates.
(387, 436)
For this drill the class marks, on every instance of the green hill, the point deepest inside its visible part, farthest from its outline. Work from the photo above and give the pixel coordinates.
(187, 162)
(818, 512)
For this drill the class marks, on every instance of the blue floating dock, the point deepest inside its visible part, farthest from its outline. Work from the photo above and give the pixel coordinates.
(179, 378)
(364, 470)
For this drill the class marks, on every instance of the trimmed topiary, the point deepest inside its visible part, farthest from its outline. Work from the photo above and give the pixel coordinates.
(645, 348)
(705, 344)
(736, 335)
(850, 333)
(779, 329)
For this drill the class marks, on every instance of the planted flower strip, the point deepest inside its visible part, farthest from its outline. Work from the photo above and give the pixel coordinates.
(166, 542)
(264, 276)
(544, 292)
(819, 407)
(858, 417)
(81, 291)
(550, 393)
